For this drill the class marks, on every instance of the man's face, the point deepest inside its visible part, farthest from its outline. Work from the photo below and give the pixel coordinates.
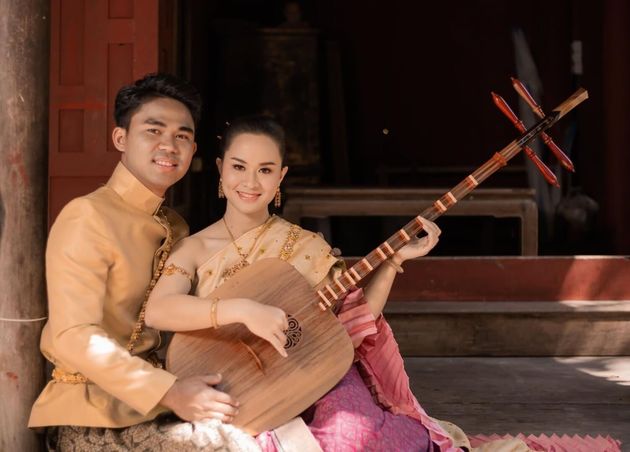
(159, 144)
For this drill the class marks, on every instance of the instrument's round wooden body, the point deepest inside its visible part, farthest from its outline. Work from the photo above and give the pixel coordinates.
(271, 389)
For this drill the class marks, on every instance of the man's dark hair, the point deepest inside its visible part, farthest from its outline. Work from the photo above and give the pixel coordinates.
(153, 86)
(257, 125)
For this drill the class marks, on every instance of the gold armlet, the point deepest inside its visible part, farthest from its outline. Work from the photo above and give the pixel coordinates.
(173, 269)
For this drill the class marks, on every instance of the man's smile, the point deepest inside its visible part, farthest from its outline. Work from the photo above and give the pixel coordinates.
(165, 163)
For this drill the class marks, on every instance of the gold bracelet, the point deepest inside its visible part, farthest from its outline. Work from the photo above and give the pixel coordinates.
(213, 312)
(395, 266)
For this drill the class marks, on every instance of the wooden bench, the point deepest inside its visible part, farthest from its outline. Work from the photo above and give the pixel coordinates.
(500, 203)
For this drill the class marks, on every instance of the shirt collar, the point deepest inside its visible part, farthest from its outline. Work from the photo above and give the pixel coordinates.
(132, 191)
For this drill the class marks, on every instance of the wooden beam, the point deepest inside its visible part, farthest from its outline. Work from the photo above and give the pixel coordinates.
(24, 46)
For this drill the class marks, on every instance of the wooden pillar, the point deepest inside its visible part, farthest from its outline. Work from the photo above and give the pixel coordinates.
(24, 50)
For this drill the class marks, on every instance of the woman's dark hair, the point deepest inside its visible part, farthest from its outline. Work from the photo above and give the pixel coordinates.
(152, 86)
(257, 125)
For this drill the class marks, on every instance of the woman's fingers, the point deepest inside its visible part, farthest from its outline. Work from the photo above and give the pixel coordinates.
(429, 225)
(431, 228)
(278, 341)
(421, 246)
(433, 234)
(282, 340)
(282, 337)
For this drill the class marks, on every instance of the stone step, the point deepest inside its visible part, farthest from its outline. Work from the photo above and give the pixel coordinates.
(511, 328)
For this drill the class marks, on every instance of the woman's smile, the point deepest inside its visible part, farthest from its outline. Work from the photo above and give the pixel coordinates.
(245, 196)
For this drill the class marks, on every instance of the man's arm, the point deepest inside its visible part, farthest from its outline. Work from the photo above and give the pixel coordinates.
(78, 258)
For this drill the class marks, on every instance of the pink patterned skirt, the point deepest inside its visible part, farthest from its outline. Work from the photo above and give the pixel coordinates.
(348, 420)
(374, 411)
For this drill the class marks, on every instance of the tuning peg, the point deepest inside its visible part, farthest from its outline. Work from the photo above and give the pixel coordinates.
(538, 111)
(507, 111)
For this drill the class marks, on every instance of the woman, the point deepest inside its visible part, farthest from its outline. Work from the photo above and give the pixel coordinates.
(371, 410)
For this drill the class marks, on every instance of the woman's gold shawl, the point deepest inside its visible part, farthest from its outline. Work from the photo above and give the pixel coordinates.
(307, 251)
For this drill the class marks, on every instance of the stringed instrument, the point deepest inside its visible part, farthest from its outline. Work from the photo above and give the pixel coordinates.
(272, 389)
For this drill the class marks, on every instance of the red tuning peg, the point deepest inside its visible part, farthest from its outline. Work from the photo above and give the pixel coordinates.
(538, 111)
(507, 111)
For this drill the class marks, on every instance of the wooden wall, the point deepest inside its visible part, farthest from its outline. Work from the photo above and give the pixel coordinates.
(424, 72)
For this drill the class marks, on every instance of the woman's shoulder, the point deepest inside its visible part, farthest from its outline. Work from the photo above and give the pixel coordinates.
(198, 245)
(298, 241)
(296, 234)
(307, 251)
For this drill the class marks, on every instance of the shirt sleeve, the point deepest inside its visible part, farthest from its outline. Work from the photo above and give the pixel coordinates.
(78, 258)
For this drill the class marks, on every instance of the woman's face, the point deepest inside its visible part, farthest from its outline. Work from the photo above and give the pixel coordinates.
(252, 171)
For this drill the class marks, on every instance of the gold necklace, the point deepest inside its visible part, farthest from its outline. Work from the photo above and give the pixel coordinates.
(229, 272)
(164, 253)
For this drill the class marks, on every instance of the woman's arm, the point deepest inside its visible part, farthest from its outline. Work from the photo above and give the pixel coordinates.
(377, 291)
(170, 308)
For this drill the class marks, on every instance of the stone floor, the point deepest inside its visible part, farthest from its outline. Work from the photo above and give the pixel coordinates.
(573, 395)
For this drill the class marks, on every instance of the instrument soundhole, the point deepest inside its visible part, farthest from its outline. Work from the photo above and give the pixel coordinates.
(294, 332)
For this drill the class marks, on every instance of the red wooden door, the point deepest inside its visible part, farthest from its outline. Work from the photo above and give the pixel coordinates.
(96, 47)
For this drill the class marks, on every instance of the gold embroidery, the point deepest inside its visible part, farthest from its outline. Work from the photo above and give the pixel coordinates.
(61, 376)
(229, 272)
(292, 236)
(173, 269)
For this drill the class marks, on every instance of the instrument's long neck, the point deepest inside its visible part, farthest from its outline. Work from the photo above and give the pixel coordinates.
(329, 294)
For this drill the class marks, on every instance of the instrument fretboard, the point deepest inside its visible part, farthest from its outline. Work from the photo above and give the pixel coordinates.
(330, 293)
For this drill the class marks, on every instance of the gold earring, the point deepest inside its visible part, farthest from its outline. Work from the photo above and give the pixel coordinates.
(278, 199)
(221, 194)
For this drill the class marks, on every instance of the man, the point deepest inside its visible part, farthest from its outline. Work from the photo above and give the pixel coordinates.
(104, 250)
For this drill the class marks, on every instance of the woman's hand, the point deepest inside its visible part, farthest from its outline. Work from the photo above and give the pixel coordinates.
(267, 322)
(419, 247)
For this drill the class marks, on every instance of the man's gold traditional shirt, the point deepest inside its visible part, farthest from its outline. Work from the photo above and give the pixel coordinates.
(100, 256)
